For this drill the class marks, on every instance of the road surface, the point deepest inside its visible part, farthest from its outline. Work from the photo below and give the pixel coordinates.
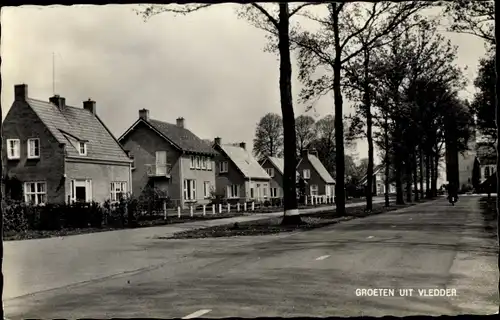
(313, 273)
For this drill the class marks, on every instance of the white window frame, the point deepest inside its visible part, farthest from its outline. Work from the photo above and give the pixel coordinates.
(223, 167)
(209, 164)
(270, 172)
(191, 166)
(84, 144)
(189, 185)
(207, 188)
(36, 156)
(122, 185)
(16, 150)
(198, 162)
(274, 192)
(204, 163)
(88, 189)
(233, 191)
(307, 173)
(36, 193)
(265, 186)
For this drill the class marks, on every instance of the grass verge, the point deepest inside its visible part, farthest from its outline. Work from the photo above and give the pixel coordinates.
(274, 226)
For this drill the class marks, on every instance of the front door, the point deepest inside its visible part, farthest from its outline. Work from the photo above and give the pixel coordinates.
(161, 163)
(80, 191)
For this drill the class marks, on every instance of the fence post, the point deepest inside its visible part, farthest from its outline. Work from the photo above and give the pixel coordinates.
(164, 209)
(220, 208)
(245, 206)
(253, 206)
(213, 208)
(191, 210)
(238, 207)
(178, 212)
(228, 208)
(204, 209)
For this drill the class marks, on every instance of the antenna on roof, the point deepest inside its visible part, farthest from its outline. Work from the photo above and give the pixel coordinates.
(53, 73)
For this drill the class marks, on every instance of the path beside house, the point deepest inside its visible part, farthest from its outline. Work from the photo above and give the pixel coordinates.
(42, 264)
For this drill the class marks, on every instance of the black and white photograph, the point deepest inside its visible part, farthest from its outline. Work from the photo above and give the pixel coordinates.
(274, 159)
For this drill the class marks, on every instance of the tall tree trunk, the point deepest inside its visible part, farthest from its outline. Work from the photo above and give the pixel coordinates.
(408, 179)
(387, 161)
(497, 123)
(339, 125)
(1, 217)
(436, 175)
(421, 176)
(428, 176)
(431, 164)
(399, 172)
(415, 174)
(369, 137)
(291, 214)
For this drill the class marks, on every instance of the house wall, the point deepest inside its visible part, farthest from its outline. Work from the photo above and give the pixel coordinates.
(259, 185)
(276, 181)
(200, 176)
(315, 177)
(232, 177)
(143, 143)
(492, 169)
(22, 123)
(465, 167)
(101, 176)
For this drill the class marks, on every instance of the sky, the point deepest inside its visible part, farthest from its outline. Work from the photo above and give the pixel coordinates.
(208, 67)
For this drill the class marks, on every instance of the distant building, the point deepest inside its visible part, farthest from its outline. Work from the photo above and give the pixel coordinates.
(378, 186)
(318, 179)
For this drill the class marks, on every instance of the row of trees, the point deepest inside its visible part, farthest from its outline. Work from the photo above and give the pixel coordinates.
(386, 56)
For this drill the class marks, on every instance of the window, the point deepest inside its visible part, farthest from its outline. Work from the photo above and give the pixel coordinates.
(223, 166)
(233, 191)
(189, 189)
(82, 148)
(486, 172)
(209, 164)
(33, 148)
(118, 189)
(206, 189)
(81, 190)
(192, 162)
(270, 172)
(35, 192)
(13, 148)
(274, 192)
(314, 189)
(204, 163)
(307, 174)
(198, 162)
(251, 193)
(264, 190)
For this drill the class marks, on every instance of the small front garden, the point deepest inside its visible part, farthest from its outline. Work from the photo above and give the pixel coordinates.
(274, 225)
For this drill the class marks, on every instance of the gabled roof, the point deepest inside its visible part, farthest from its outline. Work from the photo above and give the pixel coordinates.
(244, 161)
(376, 170)
(278, 163)
(320, 168)
(486, 153)
(179, 137)
(72, 125)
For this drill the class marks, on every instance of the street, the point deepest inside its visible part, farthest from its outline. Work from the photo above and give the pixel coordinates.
(315, 273)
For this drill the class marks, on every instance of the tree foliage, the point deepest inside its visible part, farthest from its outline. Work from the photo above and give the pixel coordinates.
(306, 131)
(268, 139)
(484, 99)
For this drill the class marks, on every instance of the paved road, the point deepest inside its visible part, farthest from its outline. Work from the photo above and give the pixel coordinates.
(314, 273)
(36, 265)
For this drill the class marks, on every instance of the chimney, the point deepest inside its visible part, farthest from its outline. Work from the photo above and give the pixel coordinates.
(89, 105)
(144, 114)
(180, 122)
(60, 102)
(304, 153)
(243, 145)
(314, 152)
(20, 92)
(217, 141)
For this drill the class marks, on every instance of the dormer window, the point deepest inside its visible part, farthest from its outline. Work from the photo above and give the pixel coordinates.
(82, 148)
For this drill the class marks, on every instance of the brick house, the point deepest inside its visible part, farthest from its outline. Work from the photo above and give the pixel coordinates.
(378, 182)
(61, 153)
(275, 167)
(240, 178)
(318, 179)
(170, 158)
